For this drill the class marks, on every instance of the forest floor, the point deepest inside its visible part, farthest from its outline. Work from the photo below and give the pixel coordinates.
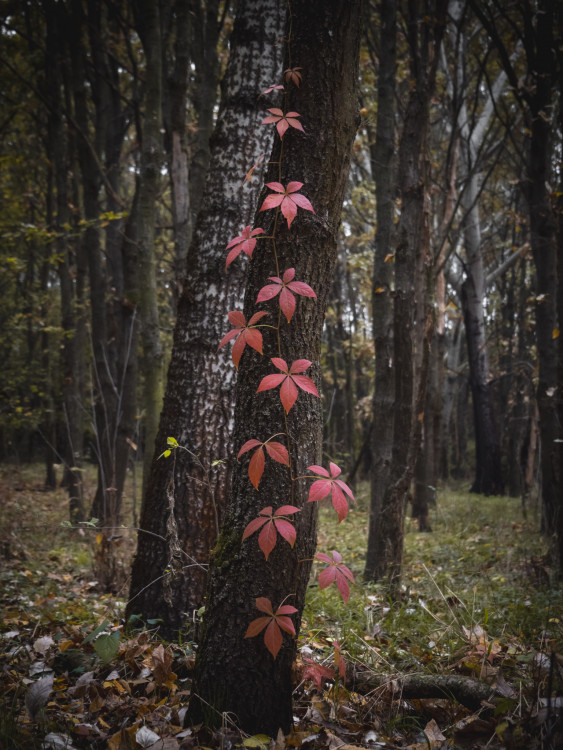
(468, 655)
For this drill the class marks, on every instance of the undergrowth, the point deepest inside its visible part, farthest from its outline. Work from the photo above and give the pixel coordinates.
(479, 601)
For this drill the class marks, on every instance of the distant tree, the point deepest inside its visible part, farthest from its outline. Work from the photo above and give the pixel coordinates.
(382, 164)
(425, 28)
(534, 26)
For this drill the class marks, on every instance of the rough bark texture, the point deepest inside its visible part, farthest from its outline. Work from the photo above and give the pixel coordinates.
(199, 399)
(543, 241)
(148, 26)
(382, 306)
(203, 47)
(175, 81)
(235, 674)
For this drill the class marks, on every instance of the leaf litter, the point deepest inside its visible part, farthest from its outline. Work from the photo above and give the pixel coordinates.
(467, 655)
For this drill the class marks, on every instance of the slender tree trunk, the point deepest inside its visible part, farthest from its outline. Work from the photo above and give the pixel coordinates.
(175, 76)
(71, 275)
(235, 674)
(424, 41)
(199, 400)
(111, 307)
(382, 307)
(148, 24)
(488, 474)
(204, 38)
(543, 241)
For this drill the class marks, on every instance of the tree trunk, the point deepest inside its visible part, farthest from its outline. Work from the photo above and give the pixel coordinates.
(148, 25)
(537, 104)
(488, 473)
(424, 41)
(71, 274)
(543, 241)
(199, 400)
(381, 160)
(111, 271)
(232, 673)
(175, 77)
(488, 476)
(205, 34)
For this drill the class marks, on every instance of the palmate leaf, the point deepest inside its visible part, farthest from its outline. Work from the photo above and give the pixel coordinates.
(287, 198)
(271, 524)
(274, 624)
(289, 381)
(285, 287)
(244, 243)
(317, 673)
(328, 483)
(335, 572)
(275, 450)
(283, 121)
(243, 333)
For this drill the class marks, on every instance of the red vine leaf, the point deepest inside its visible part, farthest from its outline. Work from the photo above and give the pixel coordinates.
(245, 333)
(335, 571)
(283, 122)
(288, 199)
(293, 75)
(272, 524)
(272, 622)
(321, 487)
(246, 241)
(249, 176)
(276, 451)
(284, 287)
(273, 87)
(339, 662)
(317, 673)
(289, 381)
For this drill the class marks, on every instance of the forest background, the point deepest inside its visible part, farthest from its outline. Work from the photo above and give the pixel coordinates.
(133, 153)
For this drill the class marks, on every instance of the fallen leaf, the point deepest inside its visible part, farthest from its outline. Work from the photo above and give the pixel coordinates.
(38, 695)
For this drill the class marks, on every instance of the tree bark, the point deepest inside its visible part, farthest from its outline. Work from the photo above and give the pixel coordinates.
(232, 673)
(424, 41)
(382, 160)
(152, 363)
(199, 399)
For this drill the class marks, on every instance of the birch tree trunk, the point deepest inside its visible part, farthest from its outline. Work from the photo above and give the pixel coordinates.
(188, 490)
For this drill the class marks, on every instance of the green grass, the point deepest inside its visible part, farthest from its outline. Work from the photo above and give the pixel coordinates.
(482, 565)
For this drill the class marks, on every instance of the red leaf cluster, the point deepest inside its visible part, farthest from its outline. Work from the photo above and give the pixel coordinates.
(287, 198)
(289, 381)
(335, 572)
(322, 486)
(285, 287)
(245, 333)
(272, 622)
(270, 523)
(245, 242)
(283, 122)
(275, 450)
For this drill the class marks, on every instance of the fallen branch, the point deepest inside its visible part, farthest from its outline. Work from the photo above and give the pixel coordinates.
(465, 690)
